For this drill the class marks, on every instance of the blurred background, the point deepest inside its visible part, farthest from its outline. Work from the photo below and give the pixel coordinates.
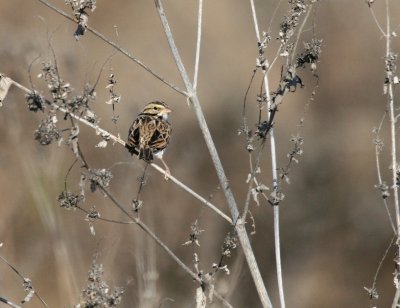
(334, 228)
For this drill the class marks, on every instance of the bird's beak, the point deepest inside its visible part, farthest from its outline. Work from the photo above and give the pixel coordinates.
(168, 110)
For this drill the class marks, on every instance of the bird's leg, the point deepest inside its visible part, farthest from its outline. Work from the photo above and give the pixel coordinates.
(167, 172)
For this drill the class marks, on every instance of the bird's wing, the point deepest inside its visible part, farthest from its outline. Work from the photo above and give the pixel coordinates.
(161, 135)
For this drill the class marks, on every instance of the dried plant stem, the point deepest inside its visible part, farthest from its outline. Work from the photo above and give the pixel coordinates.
(150, 233)
(378, 170)
(381, 263)
(252, 179)
(239, 224)
(275, 183)
(194, 194)
(392, 119)
(23, 279)
(377, 22)
(116, 139)
(390, 98)
(116, 203)
(300, 31)
(7, 302)
(116, 46)
(198, 44)
(396, 299)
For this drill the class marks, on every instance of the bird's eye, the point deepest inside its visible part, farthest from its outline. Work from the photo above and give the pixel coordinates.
(155, 107)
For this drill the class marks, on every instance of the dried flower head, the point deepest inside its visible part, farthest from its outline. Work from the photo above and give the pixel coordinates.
(291, 21)
(311, 54)
(80, 103)
(99, 177)
(79, 8)
(194, 235)
(57, 86)
(230, 243)
(47, 131)
(35, 101)
(97, 292)
(69, 200)
(384, 189)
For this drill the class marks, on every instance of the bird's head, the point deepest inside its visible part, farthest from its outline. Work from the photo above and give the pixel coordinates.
(159, 109)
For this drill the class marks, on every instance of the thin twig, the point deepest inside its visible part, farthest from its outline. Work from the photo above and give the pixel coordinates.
(117, 47)
(23, 279)
(253, 171)
(116, 139)
(378, 170)
(6, 301)
(239, 224)
(194, 194)
(300, 31)
(107, 219)
(198, 44)
(142, 225)
(373, 288)
(377, 22)
(273, 16)
(149, 232)
(275, 183)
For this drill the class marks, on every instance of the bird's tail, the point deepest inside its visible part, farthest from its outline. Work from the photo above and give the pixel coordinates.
(146, 154)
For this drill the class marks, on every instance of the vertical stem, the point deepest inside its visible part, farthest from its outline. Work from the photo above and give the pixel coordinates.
(390, 97)
(198, 44)
(392, 122)
(274, 174)
(239, 225)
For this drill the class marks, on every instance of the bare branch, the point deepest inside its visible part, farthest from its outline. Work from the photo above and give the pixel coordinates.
(300, 31)
(196, 65)
(7, 302)
(24, 280)
(149, 232)
(116, 139)
(274, 173)
(117, 47)
(239, 224)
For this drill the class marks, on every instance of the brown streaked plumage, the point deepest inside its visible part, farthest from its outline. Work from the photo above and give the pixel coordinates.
(149, 134)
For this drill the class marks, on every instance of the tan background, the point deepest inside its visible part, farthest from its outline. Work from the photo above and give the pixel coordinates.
(333, 224)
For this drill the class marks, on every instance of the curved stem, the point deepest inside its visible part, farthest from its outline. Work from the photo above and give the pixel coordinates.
(275, 182)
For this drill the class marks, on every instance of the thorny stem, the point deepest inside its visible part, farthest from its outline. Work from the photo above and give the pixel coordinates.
(198, 44)
(239, 224)
(275, 183)
(117, 47)
(116, 139)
